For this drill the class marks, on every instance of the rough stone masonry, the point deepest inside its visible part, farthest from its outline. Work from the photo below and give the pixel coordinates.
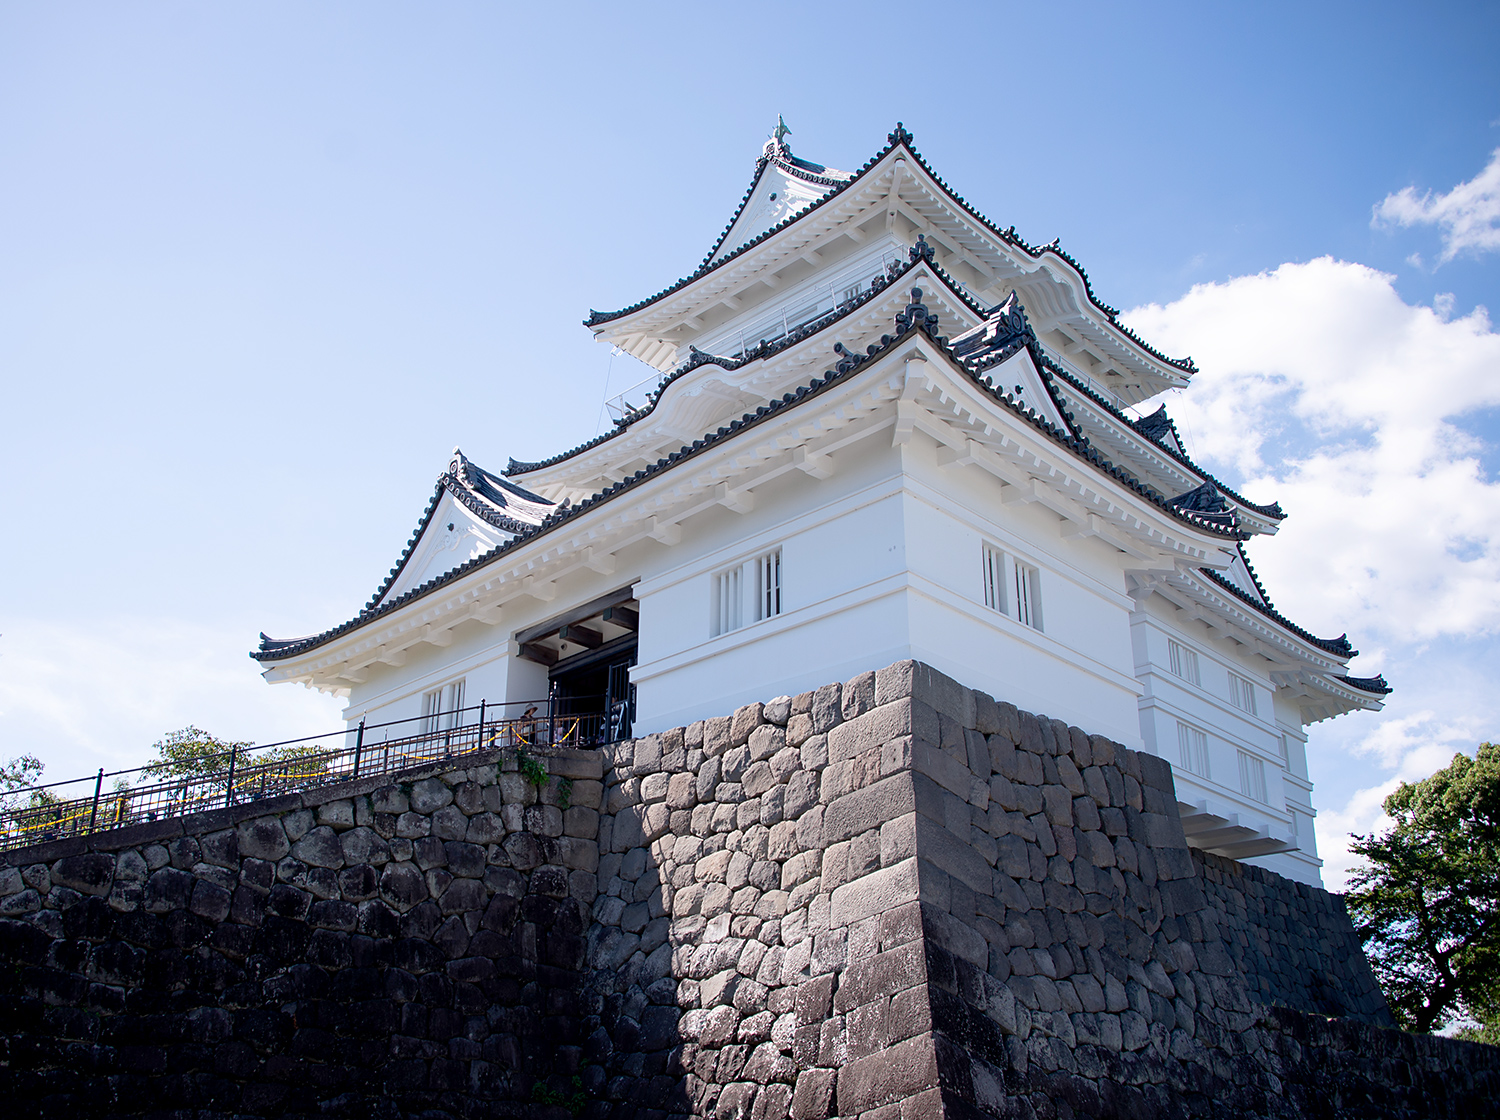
(890, 898)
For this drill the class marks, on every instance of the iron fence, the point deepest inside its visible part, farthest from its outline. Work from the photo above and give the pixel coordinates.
(251, 773)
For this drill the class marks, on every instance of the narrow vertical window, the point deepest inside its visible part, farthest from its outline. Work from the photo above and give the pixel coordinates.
(1241, 693)
(453, 702)
(1183, 661)
(1011, 587)
(993, 576)
(1252, 777)
(1028, 600)
(1192, 746)
(440, 707)
(728, 602)
(768, 585)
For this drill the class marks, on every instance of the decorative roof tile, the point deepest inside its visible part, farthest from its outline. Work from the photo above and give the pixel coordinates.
(1375, 684)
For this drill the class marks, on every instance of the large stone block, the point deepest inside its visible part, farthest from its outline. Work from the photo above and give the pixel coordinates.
(875, 893)
(864, 809)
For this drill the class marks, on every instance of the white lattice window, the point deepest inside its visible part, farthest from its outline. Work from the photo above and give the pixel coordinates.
(1192, 749)
(1252, 777)
(1241, 693)
(994, 580)
(759, 581)
(441, 707)
(1028, 596)
(728, 609)
(1011, 587)
(1183, 661)
(768, 585)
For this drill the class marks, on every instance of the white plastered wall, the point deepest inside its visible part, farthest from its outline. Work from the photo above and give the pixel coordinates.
(1167, 699)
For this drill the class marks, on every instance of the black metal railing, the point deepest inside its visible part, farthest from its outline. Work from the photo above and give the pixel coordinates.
(178, 788)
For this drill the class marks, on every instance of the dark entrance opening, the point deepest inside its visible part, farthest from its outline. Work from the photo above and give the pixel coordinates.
(597, 684)
(589, 652)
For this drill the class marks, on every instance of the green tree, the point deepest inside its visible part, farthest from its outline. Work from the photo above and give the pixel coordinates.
(1427, 901)
(191, 753)
(194, 754)
(18, 772)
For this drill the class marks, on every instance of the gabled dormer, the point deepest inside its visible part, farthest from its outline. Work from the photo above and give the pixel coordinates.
(471, 513)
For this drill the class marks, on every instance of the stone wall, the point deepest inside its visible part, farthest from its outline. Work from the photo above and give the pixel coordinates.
(894, 897)
(376, 948)
(1293, 945)
(898, 897)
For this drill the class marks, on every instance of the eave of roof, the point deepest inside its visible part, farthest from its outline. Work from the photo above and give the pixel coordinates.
(1375, 684)
(274, 650)
(758, 353)
(1339, 646)
(899, 138)
(1272, 511)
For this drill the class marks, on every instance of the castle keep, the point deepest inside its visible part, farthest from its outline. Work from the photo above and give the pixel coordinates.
(874, 426)
(881, 721)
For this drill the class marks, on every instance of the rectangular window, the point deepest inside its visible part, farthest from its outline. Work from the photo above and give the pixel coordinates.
(1028, 599)
(994, 580)
(440, 707)
(1183, 661)
(1252, 777)
(1286, 752)
(768, 585)
(1011, 587)
(761, 578)
(1241, 693)
(1192, 747)
(728, 602)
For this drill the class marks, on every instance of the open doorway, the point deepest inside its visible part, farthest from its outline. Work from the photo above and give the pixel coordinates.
(589, 652)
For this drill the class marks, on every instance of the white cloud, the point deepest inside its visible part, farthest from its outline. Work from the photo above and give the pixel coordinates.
(82, 697)
(1469, 214)
(1321, 388)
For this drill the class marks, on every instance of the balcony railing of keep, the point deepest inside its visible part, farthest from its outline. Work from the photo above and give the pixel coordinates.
(61, 810)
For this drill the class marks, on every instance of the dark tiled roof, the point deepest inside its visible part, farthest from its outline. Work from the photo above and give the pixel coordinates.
(907, 321)
(476, 489)
(498, 500)
(879, 283)
(709, 264)
(900, 137)
(1273, 511)
(1206, 501)
(1375, 684)
(1157, 426)
(1339, 646)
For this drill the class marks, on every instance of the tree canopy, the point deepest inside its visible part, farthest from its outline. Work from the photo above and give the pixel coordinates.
(190, 753)
(1427, 901)
(197, 755)
(16, 773)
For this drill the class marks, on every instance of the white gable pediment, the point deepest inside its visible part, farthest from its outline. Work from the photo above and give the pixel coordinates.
(451, 538)
(783, 186)
(1019, 377)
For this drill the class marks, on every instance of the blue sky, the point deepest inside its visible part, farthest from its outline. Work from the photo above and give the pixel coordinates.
(262, 268)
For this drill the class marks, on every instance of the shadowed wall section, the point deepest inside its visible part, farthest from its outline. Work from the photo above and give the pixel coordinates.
(891, 897)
